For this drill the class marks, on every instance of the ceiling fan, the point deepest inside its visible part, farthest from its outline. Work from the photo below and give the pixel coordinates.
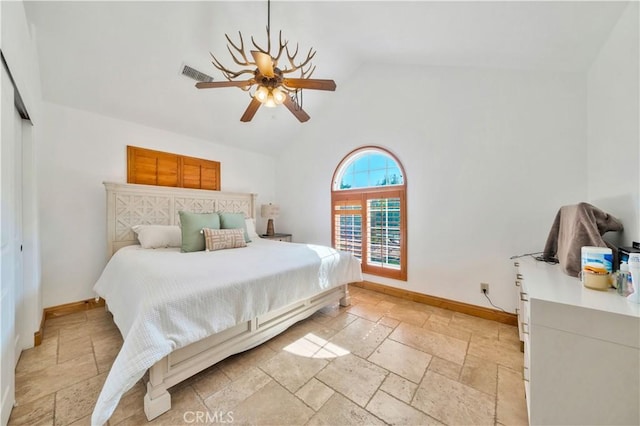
(273, 86)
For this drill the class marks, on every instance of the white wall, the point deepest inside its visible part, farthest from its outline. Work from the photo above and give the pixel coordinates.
(489, 155)
(79, 151)
(613, 127)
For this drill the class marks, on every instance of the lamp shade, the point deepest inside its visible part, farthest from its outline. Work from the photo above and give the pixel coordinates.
(270, 211)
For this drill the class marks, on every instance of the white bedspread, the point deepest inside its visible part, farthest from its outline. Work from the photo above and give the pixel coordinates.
(163, 300)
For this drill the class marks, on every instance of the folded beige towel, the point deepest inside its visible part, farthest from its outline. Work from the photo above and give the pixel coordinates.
(576, 226)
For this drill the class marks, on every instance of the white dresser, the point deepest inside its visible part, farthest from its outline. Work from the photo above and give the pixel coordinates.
(581, 349)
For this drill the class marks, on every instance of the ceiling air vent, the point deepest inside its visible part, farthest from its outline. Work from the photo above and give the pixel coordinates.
(195, 74)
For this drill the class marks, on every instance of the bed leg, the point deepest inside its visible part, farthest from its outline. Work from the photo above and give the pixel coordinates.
(157, 400)
(156, 406)
(346, 299)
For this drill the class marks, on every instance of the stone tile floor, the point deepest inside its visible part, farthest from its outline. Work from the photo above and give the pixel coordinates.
(383, 360)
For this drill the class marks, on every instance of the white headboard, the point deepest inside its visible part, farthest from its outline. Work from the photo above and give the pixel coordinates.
(131, 204)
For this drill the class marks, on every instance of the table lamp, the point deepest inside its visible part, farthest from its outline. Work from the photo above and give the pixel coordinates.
(270, 211)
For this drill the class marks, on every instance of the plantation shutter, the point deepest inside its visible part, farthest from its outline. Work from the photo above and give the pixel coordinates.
(149, 167)
(383, 232)
(347, 225)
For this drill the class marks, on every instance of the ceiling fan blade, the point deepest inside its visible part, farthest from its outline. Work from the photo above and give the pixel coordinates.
(296, 110)
(214, 84)
(264, 63)
(309, 83)
(251, 110)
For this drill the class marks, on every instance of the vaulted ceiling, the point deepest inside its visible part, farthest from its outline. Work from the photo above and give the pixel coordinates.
(124, 59)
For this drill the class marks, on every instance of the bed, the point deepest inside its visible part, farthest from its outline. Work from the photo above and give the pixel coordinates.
(180, 313)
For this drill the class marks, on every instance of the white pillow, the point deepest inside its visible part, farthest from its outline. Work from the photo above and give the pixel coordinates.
(158, 236)
(251, 228)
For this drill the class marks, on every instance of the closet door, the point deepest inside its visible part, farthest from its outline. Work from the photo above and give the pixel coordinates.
(18, 288)
(7, 247)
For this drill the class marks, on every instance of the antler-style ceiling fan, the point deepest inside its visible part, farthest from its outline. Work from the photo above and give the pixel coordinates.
(273, 86)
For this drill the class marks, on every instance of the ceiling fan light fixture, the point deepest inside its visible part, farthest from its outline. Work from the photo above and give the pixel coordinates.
(273, 84)
(262, 94)
(278, 96)
(270, 97)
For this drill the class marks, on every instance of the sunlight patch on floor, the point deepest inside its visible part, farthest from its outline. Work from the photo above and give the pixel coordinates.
(312, 346)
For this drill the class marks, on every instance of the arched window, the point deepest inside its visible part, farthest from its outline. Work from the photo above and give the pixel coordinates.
(369, 213)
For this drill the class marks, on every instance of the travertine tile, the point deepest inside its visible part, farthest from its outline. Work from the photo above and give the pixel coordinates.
(306, 346)
(446, 368)
(495, 351)
(102, 329)
(353, 377)
(444, 315)
(452, 402)
(458, 395)
(106, 349)
(478, 326)
(38, 412)
(74, 348)
(236, 365)
(435, 317)
(72, 332)
(437, 344)
(34, 385)
(237, 391)
(480, 374)
(508, 333)
(399, 387)
(368, 296)
(50, 333)
(395, 412)
(292, 371)
(332, 310)
(84, 421)
(210, 381)
(509, 344)
(300, 330)
(338, 410)
(330, 351)
(315, 393)
(340, 321)
(98, 314)
(367, 311)
(408, 315)
(389, 322)
(39, 357)
(265, 407)
(361, 337)
(77, 401)
(410, 304)
(512, 406)
(386, 305)
(436, 324)
(66, 320)
(130, 404)
(403, 360)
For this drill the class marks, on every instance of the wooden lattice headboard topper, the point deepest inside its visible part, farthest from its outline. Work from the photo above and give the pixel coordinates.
(131, 204)
(149, 167)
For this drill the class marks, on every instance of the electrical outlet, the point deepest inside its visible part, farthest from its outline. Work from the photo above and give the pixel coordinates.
(484, 288)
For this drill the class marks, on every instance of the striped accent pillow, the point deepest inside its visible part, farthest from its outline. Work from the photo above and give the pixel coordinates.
(220, 239)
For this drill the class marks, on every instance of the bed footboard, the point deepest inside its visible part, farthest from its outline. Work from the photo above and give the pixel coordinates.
(185, 362)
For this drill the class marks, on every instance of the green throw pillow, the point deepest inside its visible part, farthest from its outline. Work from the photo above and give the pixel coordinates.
(191, 225)
(234, 221)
